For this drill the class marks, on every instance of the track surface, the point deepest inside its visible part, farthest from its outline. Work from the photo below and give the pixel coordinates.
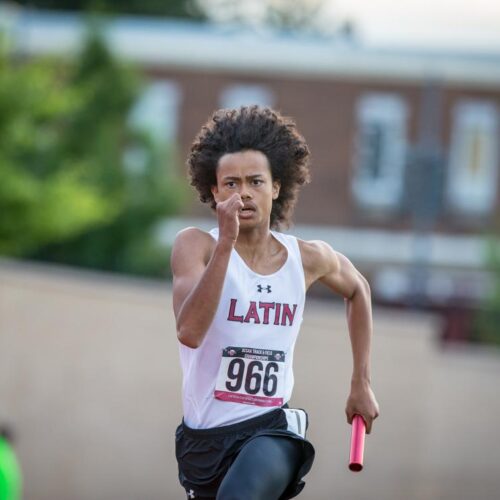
(89, 375)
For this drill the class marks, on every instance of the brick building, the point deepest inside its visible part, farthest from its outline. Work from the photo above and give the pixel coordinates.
(405, 144)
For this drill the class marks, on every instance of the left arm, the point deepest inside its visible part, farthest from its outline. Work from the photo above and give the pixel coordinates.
(322, 263)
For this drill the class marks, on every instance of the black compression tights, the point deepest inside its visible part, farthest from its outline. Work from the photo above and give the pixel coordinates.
(262, 470)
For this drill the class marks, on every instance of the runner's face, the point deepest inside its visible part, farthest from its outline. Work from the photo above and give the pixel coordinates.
(247, 173)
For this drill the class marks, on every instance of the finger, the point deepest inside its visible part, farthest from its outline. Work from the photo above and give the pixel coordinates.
(231, 205)
(368, 423)
(349, 416)
(235, 197)
(235, 202)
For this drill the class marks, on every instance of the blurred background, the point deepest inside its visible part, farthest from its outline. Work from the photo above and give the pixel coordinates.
(99, 103)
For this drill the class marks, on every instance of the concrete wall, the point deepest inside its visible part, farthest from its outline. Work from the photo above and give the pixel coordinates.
(89, 377)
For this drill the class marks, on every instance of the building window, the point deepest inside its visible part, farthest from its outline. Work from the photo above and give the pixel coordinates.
(380, 151)
(157, 111)
(473, 166)
(235, 96)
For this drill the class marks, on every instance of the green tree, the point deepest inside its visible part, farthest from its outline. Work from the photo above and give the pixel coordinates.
(312, 16)
(44, 196)
(487, 319)
(68, 193)
(165, 8)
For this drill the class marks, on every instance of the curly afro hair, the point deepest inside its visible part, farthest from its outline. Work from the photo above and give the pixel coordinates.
(252, 128)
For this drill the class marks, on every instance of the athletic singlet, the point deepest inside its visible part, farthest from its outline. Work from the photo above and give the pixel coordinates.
(243, 368)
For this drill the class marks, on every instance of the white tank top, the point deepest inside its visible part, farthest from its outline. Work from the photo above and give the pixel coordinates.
(243, 368)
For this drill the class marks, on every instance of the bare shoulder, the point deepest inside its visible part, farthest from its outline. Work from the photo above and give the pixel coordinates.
(192, 244)
(192, 235)
(316, 253)
(318, 259)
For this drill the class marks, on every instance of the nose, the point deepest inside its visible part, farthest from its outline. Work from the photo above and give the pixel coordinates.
(245, 193)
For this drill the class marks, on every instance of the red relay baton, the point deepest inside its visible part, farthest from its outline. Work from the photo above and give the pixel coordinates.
(357, 443)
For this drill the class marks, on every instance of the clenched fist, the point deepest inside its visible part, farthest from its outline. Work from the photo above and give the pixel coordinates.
(227, 216)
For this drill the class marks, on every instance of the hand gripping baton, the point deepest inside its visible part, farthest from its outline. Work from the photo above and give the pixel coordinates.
(357, 443)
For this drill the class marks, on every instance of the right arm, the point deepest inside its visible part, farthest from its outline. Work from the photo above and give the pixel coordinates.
(199, 268)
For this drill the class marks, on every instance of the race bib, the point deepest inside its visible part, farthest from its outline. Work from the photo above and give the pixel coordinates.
(251, 376)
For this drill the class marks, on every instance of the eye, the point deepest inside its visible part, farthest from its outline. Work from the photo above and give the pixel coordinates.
(257, 182)
(230, 184)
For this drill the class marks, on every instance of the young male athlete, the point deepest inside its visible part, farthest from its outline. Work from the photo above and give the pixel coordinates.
(238, 297)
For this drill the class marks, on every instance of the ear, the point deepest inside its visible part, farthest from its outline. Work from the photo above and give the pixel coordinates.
(276, 189)
(215, 193)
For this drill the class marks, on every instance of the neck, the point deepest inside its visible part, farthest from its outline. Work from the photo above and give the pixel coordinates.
(255, 243)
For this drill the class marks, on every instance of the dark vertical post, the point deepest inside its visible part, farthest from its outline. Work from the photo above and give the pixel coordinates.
(424, 187)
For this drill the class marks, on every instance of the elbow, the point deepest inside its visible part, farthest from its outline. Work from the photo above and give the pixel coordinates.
(361, 289)
(365, 286)
(365, 289)
(188, 339)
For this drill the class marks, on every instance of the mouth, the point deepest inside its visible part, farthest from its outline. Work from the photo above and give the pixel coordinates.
(247, 211)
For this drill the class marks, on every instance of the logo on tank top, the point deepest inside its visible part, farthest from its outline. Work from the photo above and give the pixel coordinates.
(261, 288)
(266, 313)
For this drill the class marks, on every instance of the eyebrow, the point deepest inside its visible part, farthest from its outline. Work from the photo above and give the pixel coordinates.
(235, 178)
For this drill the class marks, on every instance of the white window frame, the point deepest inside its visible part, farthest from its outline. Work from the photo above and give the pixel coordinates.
(473, 173)
(157, 110)
(389, 113)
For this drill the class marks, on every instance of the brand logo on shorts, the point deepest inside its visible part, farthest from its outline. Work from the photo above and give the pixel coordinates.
(261, 288)
(190, 494)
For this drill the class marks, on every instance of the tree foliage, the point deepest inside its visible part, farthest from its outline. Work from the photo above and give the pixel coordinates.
(44, 196)
(289, 15)
(66, 193)
(292, 15)
(485, 327)
(166, 8)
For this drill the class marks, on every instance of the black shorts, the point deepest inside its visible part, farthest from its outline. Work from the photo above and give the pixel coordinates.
(205, 455)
